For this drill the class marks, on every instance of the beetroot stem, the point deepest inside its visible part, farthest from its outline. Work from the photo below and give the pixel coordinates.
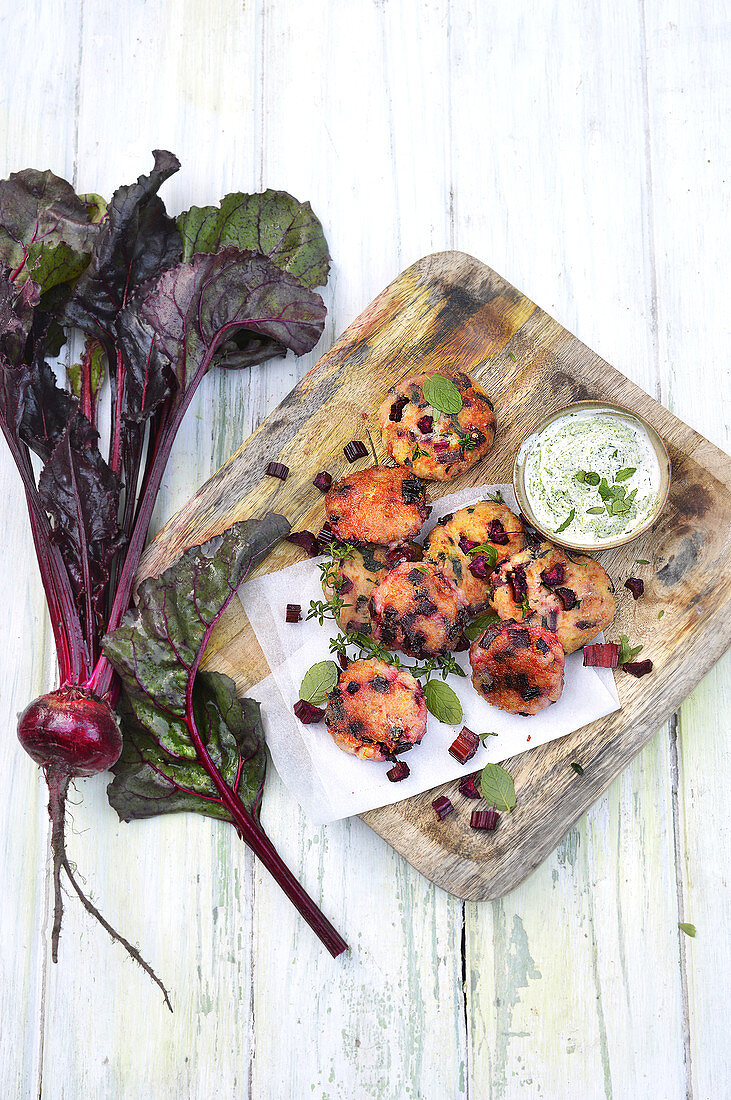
(58, 785)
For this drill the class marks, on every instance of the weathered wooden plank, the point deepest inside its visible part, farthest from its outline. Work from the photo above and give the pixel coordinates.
(36, 129)
(688, 90)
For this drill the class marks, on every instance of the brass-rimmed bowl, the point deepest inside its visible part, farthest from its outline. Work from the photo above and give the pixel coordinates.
(599, 544)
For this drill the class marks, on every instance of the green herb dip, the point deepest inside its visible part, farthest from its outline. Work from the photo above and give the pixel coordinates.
(618, 478)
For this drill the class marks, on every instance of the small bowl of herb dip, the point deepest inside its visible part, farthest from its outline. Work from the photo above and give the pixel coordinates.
(592, 476)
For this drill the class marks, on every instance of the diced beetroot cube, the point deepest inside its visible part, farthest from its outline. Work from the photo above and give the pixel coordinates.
(307, 713)
(484, 819)
(497, 533)
(480, 567)
(468, 786)
(425, 424)
(601, 655)
(638, 668)
(306, 541)
(555, 575)
(464, 747)
(636, 586)
(466, 544)
(442, 806)
(399, 771)
(567, 596)
(323, 481)
(441, 445)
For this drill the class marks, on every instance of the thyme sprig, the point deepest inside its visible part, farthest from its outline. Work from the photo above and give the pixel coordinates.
(443, 665)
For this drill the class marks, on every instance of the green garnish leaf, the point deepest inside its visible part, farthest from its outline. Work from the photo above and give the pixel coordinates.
(577, 768)
(567, 521)
(497, 499)
(641, 561)
(318, 682)
(481, 623)
(626, 473)
(510, 355)
(580, 475)
(485, 550)
(603, 489)
(594, 511)
(484, 736)
(442, 702)
(627, 652)
(498, 788)
(689, 929)
(660, 613)
(442, 394)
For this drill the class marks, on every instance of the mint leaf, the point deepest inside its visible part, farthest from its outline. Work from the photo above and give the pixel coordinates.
(569, 519)
(498, 788)
(442, 394)
(689, 929)
(595, 511)
(319, 681)
(577, 768)
(481, 623)
(442, 702)
(626, 473)
(486, 550)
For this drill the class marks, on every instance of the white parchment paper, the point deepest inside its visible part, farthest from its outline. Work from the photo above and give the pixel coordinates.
(328, 783)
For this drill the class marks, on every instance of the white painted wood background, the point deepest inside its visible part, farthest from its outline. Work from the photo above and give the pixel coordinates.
(579, 149)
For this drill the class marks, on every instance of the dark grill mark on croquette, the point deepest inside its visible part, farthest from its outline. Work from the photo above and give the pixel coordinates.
(337, 709)
(542, 647)
(402, 746)
(425, 606)
(415, 576)
(356, 727)
(519, 638)
(584, 624)
(412, 491)
(530, 693)
(380, 684)
(352, 687)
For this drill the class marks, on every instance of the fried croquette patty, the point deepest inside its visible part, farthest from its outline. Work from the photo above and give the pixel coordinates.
(376, 711)
(418, 610)
(572, 596)
(451, 542)
(518, 666)
(381, 504)
(436, 445)
(354, 578)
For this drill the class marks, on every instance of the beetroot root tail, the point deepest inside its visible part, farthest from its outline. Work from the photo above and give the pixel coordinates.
(58, 785)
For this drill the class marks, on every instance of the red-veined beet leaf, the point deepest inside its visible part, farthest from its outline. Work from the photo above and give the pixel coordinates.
(189, 742)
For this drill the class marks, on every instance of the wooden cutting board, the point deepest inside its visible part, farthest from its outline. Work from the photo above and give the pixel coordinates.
(448, 308)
